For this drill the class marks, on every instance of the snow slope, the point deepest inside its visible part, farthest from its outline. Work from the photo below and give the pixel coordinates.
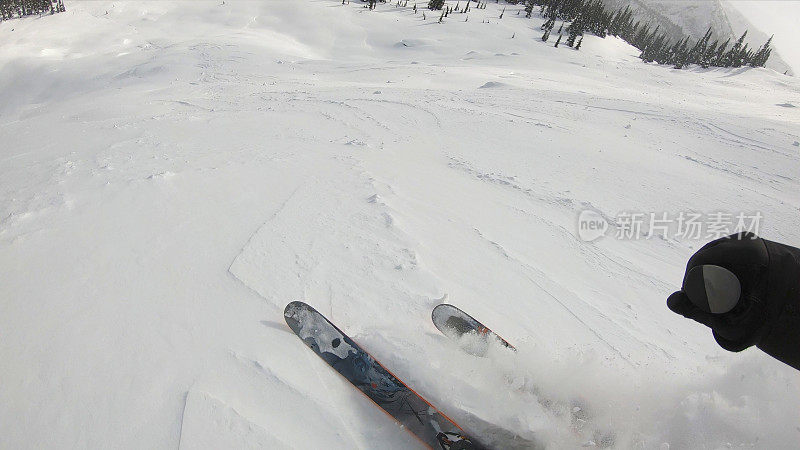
(173, 173)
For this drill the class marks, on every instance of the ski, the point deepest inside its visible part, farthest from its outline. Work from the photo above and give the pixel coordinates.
(474, 337)
(432, 427)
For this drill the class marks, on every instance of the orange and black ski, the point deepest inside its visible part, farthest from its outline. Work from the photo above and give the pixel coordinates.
(414, 413)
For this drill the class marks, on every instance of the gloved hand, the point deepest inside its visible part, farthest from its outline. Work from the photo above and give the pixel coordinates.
(767, 313)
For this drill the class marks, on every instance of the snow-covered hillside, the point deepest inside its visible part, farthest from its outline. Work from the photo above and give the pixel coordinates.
(780, 19)
(172, 174)
(727, 19)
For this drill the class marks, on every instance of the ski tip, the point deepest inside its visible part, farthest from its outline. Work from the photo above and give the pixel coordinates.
(440, 307)
(294, 312)
(292, 306)
(444, 305)
(296, 306)
(442, 310)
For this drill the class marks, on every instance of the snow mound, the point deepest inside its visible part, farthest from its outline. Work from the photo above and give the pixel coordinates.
(492, 84)
(414, 43)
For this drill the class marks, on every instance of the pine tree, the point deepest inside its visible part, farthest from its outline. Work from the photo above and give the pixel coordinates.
(681, 53)
(695, 55)
(578, 45)
(581, 16)
(705, 59)
(718, 59)
(575, 29)
(747, 56)
(558, 41)
(740, 58)
(762, 54)
(10, 9)
(732, 57)
(435, 5)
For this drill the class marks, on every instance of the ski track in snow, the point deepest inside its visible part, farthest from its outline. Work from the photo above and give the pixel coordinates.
(199, 170)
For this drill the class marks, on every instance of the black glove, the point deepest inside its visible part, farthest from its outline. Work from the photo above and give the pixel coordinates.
(768, 311)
